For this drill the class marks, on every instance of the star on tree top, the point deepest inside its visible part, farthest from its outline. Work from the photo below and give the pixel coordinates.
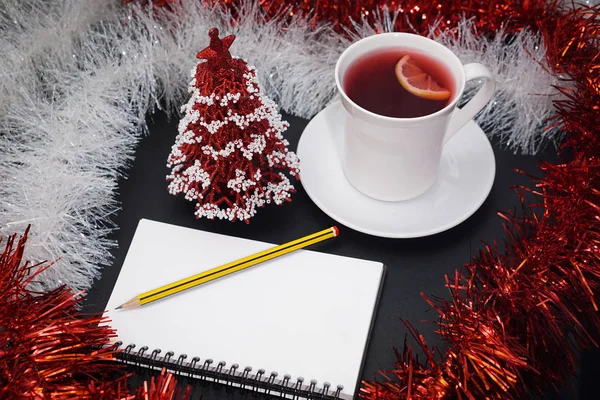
(218, 50)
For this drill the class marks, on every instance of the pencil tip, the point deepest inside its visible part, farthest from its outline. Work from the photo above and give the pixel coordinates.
(118, 308)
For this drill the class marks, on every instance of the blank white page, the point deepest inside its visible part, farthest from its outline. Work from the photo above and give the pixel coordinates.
(307, 314)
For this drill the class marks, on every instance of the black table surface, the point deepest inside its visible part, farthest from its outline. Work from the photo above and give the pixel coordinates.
(413, 265)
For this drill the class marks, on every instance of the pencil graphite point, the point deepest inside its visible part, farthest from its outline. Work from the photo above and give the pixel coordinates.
(129, 304)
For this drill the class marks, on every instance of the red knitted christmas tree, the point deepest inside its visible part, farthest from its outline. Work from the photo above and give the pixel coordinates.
(229, 156)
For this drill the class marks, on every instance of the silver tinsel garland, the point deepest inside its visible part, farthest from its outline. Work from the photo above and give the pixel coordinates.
(79, 77)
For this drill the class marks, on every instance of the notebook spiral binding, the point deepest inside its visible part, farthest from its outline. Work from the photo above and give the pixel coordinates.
(233, 376)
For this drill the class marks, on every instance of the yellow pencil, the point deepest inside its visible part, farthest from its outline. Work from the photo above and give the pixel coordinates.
(229, 268)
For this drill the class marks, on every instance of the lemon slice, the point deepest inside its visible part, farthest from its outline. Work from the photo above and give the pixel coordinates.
(418, 82)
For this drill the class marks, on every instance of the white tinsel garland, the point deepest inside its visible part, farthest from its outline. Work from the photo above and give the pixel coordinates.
(79, 77)
(518, 114)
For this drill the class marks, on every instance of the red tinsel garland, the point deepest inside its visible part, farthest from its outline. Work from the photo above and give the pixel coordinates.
(489, 16)
(45, 347)
(49, 350)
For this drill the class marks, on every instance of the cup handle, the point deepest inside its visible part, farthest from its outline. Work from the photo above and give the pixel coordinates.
(482, 97)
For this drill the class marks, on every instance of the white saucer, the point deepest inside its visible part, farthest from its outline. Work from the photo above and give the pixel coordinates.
(466, 177)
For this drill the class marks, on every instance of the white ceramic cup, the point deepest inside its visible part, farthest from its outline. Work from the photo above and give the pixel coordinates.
(396, 159)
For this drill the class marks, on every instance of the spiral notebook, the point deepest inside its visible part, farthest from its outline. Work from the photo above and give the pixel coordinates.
(296, 326)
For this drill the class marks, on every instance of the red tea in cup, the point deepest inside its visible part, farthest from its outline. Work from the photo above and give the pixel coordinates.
(376, 82)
